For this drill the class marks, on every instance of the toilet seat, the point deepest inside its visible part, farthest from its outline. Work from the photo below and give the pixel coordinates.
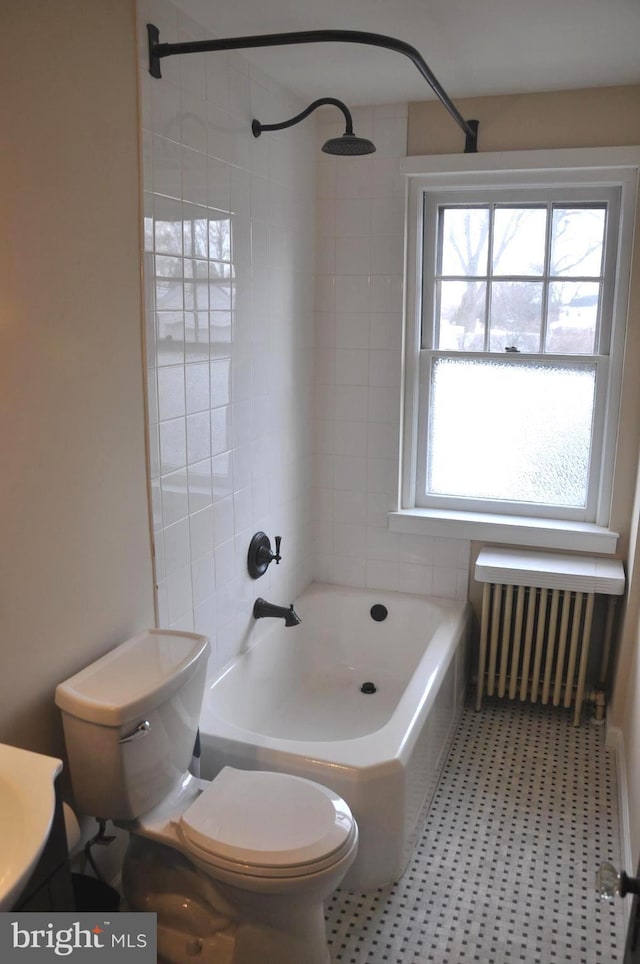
(265, 824)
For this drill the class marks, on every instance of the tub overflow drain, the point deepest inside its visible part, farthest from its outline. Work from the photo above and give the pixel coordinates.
(368, 688)
(379, 612)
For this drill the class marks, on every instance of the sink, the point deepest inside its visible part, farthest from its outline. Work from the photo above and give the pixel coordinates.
(27, 802)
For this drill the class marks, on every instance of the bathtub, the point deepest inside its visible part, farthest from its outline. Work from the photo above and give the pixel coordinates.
(293, 702)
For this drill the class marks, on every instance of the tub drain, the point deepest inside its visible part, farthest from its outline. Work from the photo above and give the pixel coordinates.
(368, 688)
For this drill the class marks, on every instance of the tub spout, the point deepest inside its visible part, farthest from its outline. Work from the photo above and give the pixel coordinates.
(262, 608)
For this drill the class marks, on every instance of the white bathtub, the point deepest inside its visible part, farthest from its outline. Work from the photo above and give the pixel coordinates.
(293, 703)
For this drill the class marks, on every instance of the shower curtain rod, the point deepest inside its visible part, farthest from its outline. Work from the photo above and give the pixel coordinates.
(159, 50)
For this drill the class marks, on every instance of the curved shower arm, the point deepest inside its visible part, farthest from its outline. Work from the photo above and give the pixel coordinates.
(257, 127)
(159, 50)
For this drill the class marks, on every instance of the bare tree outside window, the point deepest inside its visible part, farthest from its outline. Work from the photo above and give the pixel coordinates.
(519, 277)
(520, 287)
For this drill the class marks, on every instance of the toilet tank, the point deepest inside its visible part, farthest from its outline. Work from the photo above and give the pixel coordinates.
(130, 722)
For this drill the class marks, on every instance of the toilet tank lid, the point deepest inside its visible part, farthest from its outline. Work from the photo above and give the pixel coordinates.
(133, 678)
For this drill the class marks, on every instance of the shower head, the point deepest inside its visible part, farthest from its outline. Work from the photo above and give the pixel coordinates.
(348, 145)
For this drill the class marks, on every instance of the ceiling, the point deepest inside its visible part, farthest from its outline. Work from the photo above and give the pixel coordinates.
(474, 47)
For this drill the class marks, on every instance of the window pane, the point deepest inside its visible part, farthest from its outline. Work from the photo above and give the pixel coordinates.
(460, 309)
(516, 310)
(572, 317)
(519, 241)
(577, 237)
(514, 431)
(465, 241)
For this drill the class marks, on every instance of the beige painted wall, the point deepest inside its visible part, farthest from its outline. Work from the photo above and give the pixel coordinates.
(75, 563)
(581, 118)
(597, 117)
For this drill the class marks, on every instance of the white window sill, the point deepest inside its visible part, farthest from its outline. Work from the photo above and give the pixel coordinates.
(508, 530)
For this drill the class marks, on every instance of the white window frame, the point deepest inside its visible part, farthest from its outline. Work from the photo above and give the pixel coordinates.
(574, 169)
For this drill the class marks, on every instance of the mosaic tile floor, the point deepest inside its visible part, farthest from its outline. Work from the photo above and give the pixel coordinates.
(525, 811)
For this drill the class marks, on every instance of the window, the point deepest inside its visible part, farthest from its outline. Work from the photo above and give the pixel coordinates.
(515, 325)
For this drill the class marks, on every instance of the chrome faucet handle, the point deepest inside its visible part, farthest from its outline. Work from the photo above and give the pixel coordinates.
(138, 731)
(276, 557)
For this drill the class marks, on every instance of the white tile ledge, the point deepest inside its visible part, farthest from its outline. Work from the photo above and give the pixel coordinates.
(508, 530)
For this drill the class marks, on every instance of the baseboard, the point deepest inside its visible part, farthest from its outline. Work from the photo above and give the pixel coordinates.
(615, 742)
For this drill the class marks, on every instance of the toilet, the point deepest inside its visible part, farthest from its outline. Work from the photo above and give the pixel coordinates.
(236, 868)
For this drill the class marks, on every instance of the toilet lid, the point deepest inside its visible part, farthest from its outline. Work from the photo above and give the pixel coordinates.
(256, 820)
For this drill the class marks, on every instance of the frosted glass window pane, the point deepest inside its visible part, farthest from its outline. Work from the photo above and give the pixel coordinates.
(460, 310)
(518, 432)
(465, 241)
(572, 317)
(577, 237)
(516, 312)
(519, 241)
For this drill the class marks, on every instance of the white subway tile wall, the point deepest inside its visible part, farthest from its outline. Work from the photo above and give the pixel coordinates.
(357, 371)
(271, 406)
(229, 266)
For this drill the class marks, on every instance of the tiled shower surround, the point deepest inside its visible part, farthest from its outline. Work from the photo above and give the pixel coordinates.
(358, 299)
(269, 409)
(229, 224)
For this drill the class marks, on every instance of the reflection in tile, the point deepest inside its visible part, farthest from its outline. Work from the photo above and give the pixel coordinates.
(219, 237)
(169, 283)
(195, 237)
(171, 395)
(196, 330)
(219, 286)
(170, 337)
(196, 285)
(221, 334)
(210, 317)
(167, 233)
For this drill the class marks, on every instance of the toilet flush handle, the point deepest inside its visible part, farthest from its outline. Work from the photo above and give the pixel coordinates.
(141, 730)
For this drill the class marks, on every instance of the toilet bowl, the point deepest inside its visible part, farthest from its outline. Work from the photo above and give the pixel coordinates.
(273, 846)
(236, 869)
